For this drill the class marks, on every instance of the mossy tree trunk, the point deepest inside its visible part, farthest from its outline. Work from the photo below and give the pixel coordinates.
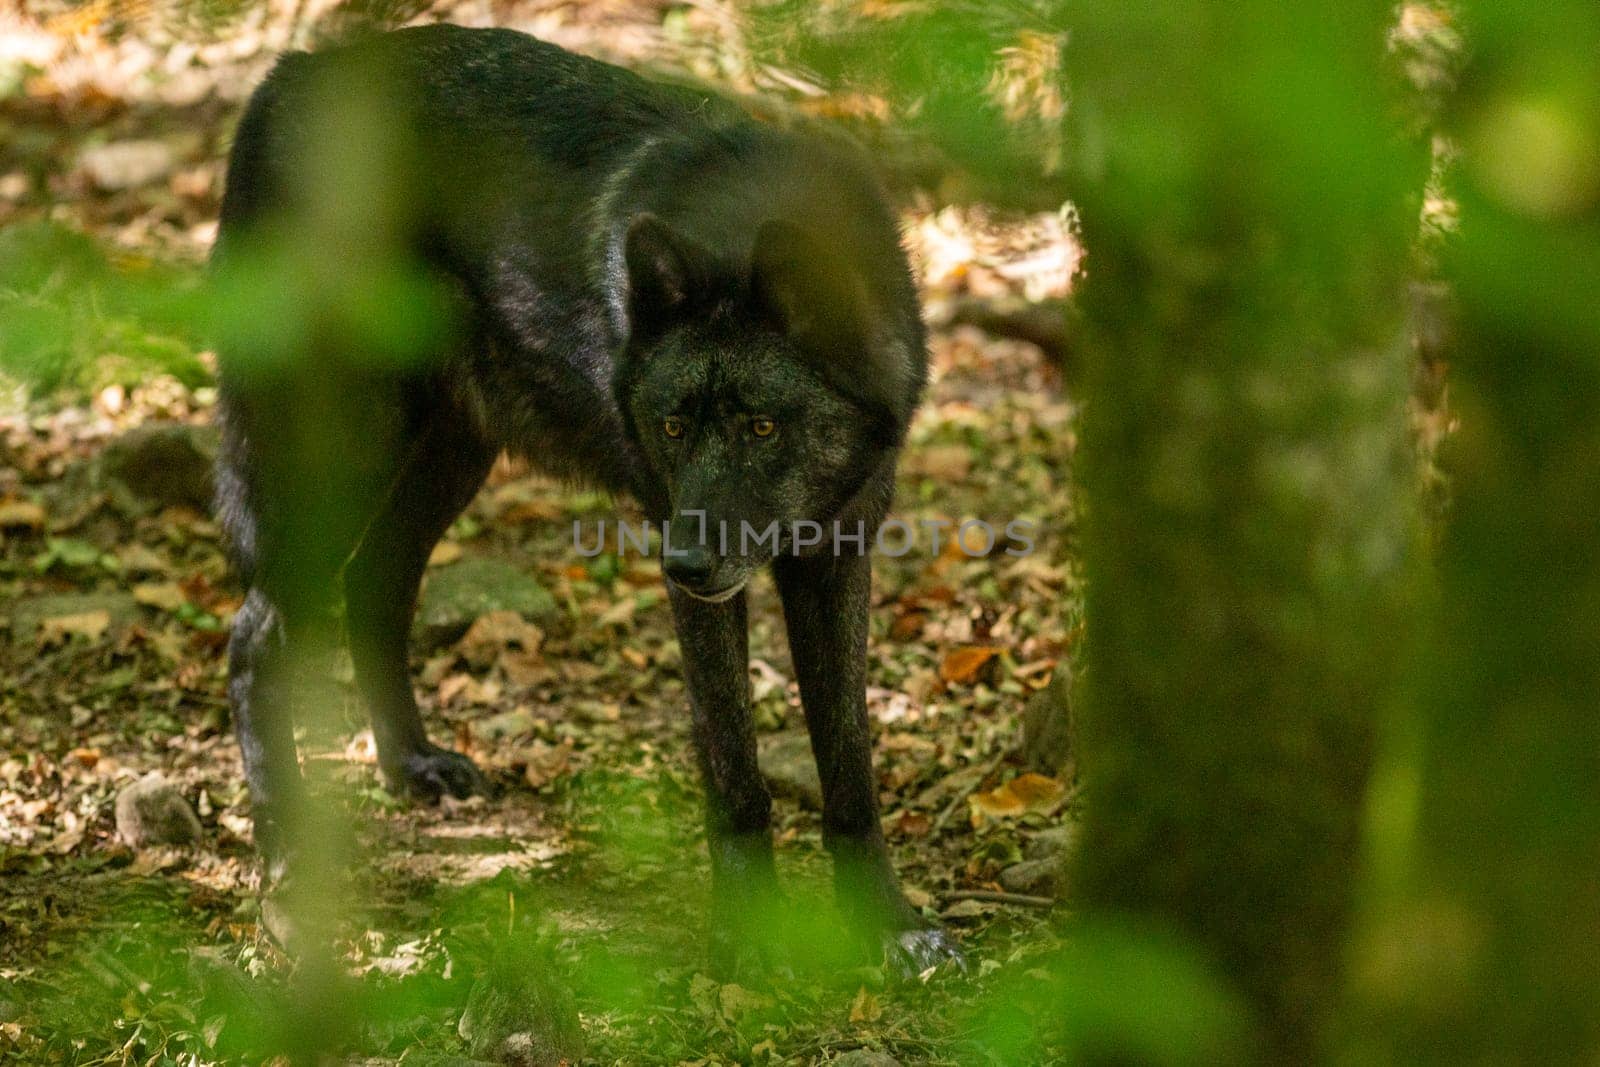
(1500, 936)
(1250, 535)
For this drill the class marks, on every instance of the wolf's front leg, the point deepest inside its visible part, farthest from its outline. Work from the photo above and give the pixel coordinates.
(825, 602)
(738, 808)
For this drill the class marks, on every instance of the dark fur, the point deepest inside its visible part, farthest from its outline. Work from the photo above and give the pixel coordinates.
(608, 252)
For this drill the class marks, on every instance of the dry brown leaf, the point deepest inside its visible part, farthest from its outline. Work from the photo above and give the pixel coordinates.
(444, 552)
(88, 624)
(912, 824)
(494, 634)
(463, 688)
(1037, 791)
(546, 763)
(522, 667)
(963, 666)
(908, 625)
(1023, 794)
(21, 515)
(942, 463)
(138, 559)
(164, 596)
(865, 1008)
(530, 511)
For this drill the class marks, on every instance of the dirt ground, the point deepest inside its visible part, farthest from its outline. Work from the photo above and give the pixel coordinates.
(589, 861)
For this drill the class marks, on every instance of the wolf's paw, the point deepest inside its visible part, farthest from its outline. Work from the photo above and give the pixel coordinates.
(748, 956)
(430, 772)
(912, 955)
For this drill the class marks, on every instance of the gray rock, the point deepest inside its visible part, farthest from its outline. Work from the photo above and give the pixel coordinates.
(31, 613)
(1049, 731)
(862, 1057)
(518, 1013)
(158, 465)
(127, 164)
(789, 768)
(1055, 842)
(152, 812)
(454, 597)
(1032, 876)
(513, 723)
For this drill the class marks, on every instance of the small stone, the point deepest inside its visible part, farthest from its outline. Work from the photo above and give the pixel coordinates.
(517, 1013)
(513, 723)
(127, 164)
(1032, 876)
(1055, 842)
(152, 812)
(862, 1057)
(455, 596)
(158, 465)
(790, 769)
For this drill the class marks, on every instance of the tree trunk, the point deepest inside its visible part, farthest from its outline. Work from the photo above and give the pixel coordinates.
(1250, 529)
(1492, 953)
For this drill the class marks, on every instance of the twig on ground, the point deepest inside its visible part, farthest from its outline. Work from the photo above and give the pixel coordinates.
(996, 896)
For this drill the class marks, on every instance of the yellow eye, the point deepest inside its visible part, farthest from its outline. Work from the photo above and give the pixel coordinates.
(673, 426)
(762, 426)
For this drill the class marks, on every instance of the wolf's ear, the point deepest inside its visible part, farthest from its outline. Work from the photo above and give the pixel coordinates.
(817, 295)
(810, 291)
(664, 270)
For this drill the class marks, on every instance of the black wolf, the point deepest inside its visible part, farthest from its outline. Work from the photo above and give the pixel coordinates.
(633, 285)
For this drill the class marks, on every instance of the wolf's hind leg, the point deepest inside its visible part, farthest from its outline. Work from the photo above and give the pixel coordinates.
(444, 470)
(295, 506)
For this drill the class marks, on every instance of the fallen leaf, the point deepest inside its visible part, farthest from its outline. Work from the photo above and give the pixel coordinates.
(88, 624)
(138, 559)
(912, 824)
(942, 463)
(909, 625)
(530, 511)
(491, 635)
(736, 1001)
(963, 666)
(1037, 791)
(443, 553)
(1023, 794)
(546, 763)
(966, 909)
(21, 515)
(865, 1008)
(464, 689)
(166, 596)
(521, 667)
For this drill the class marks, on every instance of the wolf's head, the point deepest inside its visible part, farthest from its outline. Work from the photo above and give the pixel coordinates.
(767, 388)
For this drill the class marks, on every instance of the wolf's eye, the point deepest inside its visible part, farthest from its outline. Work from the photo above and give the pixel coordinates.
(762, 426)
(673, 426)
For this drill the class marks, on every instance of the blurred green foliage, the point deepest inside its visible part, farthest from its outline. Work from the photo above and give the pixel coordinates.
(74, 318)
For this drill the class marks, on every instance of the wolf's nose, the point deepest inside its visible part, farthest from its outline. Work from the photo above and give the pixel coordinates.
(690, 567)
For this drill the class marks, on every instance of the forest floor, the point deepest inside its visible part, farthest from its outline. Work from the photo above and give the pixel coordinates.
(117, 597)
